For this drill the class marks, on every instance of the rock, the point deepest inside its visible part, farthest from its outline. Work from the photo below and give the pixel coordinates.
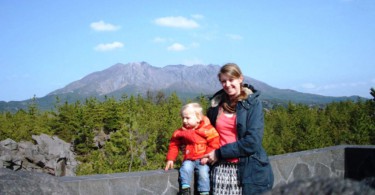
(24, 182)
(50, 155)
(100, 138)
(52, 145)
(9, 144)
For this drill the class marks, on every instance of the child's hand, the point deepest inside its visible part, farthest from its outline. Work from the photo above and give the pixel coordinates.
(169, 165)
(204, 161)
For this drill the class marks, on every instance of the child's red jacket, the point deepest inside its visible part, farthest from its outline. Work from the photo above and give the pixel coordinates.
(196, 143)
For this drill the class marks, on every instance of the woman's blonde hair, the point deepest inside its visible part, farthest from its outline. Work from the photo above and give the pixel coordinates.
(196, 107)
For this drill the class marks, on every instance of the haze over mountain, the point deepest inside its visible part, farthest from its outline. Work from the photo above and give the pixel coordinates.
(139, 78)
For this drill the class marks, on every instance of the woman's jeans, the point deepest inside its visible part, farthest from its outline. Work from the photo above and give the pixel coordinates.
(187, 171)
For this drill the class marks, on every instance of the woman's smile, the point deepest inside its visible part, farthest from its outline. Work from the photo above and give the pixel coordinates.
(232, 86)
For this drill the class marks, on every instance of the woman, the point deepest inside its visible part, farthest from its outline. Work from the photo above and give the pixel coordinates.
(241, 163)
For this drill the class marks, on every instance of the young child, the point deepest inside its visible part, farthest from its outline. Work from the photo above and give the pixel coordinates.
(198, 137)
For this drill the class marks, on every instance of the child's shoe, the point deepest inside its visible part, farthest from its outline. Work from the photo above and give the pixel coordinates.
(185, 191)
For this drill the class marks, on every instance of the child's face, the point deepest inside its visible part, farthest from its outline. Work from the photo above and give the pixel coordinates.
(189, 118)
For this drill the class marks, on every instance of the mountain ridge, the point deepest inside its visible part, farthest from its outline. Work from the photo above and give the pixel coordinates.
(140, 77)
(197, 78)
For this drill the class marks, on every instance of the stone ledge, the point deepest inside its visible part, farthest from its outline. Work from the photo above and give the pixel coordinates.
(146, 182)
(287, 168)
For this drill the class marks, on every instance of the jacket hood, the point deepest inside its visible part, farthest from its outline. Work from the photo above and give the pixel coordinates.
(249, 90)
(204, 122)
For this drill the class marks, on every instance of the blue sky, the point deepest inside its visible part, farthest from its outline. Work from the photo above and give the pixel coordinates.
(322, 47)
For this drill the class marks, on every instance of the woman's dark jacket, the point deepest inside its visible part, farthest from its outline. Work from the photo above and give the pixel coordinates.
(254, 166)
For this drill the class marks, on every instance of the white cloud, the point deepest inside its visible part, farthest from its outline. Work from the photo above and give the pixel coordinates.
(159, 40)
(177, 22)
(109, 46)
(235, 37)
(360, 88)
(194, 45)
(356, 84)
(197, 16)
(18, 76)
(191, 62)
(102, 26)
(344, 88)
(308, 86)
(333, 85)
(208, 36)
(176, 47)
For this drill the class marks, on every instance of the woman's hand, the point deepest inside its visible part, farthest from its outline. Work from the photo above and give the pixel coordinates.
(169, 165)
(212, 158)
(204, 161)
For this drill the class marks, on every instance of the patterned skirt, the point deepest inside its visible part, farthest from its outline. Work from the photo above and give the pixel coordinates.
(224, 179)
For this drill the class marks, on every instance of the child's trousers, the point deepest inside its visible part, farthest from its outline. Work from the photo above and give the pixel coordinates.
(187, 171)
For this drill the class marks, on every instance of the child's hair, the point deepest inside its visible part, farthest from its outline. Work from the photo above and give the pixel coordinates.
(196, 107)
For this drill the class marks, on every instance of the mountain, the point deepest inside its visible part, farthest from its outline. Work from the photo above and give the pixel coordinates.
(142, 77)
(186, 81)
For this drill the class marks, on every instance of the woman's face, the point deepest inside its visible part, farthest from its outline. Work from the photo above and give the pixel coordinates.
(232, 86)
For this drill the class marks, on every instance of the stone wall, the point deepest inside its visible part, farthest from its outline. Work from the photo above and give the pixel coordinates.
(326, 162)
(148, 182)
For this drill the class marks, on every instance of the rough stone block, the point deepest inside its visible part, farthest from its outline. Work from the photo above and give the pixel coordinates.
(128, 185)
(323, 157)
(286, 166)
(93, 187)
(173, 178)
(171, 191)
(338, 165)
(25, 182)
(72, 187)
(278, 179)
(321, 170)
(301, 171)
(338, 153)
(145, 192)
(155, 183)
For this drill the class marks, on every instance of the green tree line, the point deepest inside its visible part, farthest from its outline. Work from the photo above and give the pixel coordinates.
(139, 128)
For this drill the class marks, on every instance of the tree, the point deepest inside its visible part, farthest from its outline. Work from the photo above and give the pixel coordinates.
(19, 126)
(5, 125)
(37, 122)
(111, 116)
(67, 121)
